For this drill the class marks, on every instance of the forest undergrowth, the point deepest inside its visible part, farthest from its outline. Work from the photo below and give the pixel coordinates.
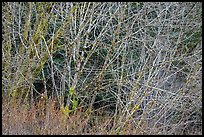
(102, 68)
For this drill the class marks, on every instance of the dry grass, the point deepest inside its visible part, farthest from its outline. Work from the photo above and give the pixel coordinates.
(20, 119)
(45, 120)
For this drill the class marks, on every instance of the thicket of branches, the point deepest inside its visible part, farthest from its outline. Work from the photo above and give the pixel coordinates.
(141, 62)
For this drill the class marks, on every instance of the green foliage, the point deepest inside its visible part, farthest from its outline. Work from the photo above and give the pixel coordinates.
(74, 101)
(71, 91)
(191, 41)
(65, 110)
